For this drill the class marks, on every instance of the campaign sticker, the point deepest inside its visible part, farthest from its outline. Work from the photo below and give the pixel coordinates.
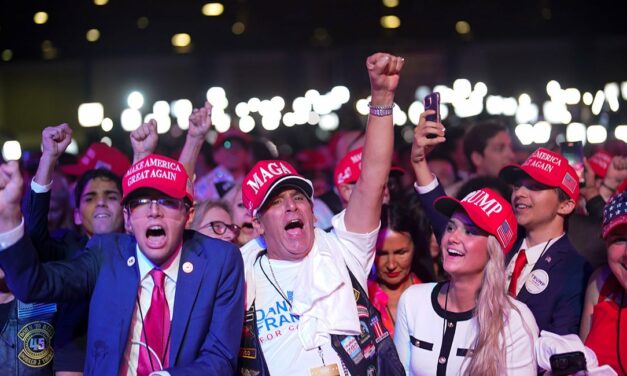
(537, 282)
(352, 348)
(371, 371)
(364, 336)
(362, 311)
(36, 338)
(188, 267)
(380, 333)
(369, 351)
(248, 353)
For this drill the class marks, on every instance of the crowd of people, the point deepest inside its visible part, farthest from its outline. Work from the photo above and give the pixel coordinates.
(456, 256)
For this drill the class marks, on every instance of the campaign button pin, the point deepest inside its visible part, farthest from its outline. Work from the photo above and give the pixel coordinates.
(188, 267)
(130, 261)
(537, 282)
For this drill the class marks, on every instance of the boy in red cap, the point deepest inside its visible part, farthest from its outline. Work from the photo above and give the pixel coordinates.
(545, 271)
(162, 298)
(307, 309)
(549, 276)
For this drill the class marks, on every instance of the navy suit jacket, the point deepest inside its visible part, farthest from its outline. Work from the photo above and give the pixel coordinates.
(208, 306)
(558, 307)
(70, 324)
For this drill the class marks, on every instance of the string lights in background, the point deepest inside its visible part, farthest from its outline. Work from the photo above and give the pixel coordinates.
(465, 99)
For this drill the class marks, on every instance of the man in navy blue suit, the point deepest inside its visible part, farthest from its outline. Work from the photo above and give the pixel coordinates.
(163, 300)
(551, 276)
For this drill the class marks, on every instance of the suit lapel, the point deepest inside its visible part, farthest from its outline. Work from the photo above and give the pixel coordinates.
(187, 286)
(546, 262)
(127, 281)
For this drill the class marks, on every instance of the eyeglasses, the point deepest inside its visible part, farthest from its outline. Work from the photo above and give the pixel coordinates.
(220, 227)
(164, 202)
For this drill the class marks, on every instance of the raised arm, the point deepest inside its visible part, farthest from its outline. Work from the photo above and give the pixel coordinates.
(26, 277)
(364, 206)
(421, 147)
(144, 140)
(199, 126)
(10, 196)
(54, 141)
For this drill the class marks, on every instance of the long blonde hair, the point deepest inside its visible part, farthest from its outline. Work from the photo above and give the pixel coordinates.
(492, 310)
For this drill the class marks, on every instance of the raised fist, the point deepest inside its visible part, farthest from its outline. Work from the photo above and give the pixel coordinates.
(54, 140)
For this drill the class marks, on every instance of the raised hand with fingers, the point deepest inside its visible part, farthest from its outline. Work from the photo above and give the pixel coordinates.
(384, 72)
(54, 140)
(144, 140)
(199, 126)
(200, 121)
(422, 145)
(10, 196)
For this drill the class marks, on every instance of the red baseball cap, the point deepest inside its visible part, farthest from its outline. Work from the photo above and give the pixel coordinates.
(99, 155)
(488, 210)
(160, 173)
(266, 177)
(348, 168)
(548, 168)
(599, 162)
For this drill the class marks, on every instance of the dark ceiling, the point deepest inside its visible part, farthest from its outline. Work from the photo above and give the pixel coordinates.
(293, 24)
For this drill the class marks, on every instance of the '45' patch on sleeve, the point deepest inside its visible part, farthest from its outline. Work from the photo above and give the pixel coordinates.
(36, 350)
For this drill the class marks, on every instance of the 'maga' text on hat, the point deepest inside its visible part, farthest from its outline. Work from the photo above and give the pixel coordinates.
(543, 160)
(273, 169)
(152, 173)
(153, 162)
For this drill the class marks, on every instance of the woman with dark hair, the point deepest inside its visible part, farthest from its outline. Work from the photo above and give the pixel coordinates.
(401, 260)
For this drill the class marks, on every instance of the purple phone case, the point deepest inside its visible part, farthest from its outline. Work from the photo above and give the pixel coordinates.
(432, 102)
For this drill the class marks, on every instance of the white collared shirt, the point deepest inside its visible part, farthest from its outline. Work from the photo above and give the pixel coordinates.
(131, 355)
(533, 255)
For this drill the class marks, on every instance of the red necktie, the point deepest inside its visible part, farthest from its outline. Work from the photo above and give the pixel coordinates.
(156, 329)
(521, 261)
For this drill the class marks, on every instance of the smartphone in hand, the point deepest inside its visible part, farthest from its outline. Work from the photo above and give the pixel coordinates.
(568, 363)
(573, 151)
(432, 102)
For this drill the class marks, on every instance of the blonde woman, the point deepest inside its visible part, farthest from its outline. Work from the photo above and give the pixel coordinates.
(468, 325)
(213, 218)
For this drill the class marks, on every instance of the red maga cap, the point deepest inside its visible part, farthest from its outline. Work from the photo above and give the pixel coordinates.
(488, 210)
(599, 162)
(548, 168)
(99, 155)
(159, 173)
(348, 168)
(266, 177)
